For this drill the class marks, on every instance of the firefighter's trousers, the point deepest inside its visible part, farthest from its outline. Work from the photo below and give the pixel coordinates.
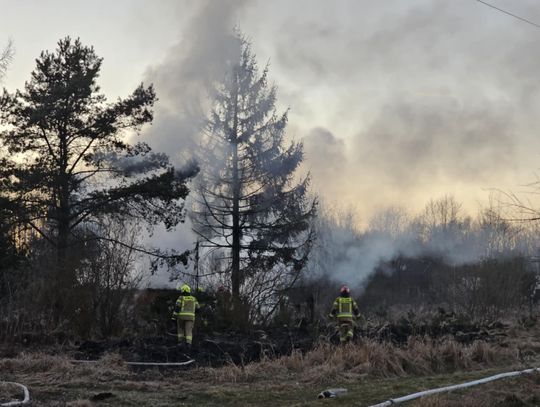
(346, 330)
(185, 330)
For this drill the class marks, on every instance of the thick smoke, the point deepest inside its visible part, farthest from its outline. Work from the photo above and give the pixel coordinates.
(396, 102)
(132, 165)
(413, 142)
(328, 153)
(428, 97)
(349, 255)
(183, 83)
(184, 79)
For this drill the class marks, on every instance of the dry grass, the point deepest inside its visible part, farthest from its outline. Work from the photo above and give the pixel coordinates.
(35, 363)
(374, 370)
(110, 368)
(421, 356)
(9, 392)
(80, 403)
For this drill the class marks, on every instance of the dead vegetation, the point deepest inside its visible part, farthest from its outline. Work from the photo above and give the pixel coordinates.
(372, 370)
(420, 356)
(51, 368)
(9, 392)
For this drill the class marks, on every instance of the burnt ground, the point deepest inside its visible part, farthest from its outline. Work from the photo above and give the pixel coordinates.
(369, 369)
(213, 349)
(218, 349)
(221, 348)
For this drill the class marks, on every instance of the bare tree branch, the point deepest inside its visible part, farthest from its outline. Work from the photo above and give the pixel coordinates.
(6, 56)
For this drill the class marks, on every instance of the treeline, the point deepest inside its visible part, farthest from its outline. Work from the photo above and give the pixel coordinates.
(440, 259)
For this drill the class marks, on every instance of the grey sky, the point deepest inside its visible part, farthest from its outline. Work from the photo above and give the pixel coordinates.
(397, 101)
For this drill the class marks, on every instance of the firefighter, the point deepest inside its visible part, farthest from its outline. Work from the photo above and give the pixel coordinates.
(184, 313)
(345, 310)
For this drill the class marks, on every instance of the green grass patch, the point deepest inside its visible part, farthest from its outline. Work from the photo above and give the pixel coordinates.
(365, 392)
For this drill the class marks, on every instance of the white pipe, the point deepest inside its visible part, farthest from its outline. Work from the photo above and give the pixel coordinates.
(454, 387)
(24, 402)
(189, 362)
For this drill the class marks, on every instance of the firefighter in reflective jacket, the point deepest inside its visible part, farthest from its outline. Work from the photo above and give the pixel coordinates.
(345, 310)
(184, 313)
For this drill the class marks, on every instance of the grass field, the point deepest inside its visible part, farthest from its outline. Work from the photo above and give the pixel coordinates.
(178, 391)
(372, 372)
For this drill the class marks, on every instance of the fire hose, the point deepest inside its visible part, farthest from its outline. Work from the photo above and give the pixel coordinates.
(170, 364)
(26, 396)
(465, 385)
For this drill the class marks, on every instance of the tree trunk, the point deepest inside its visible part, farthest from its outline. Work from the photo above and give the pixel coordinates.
(64, 277)
(236, 233)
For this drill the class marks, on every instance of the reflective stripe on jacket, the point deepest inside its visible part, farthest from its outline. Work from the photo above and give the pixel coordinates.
(186, 305)
(345, 308)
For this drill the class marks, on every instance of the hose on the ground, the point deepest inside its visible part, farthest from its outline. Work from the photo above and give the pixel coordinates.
(26, 396)
(420, 394)
(170, 364)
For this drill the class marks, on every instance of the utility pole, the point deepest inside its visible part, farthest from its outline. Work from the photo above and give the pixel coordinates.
(196, 266)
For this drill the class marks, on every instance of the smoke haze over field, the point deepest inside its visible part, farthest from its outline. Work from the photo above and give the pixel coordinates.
(440, 231)
(397, 102)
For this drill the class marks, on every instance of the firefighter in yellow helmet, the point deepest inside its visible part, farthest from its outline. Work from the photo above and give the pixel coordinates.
(345, 310)
(184, 313)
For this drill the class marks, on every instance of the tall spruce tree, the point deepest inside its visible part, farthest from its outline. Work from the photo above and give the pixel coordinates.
(249, 203)
(66, 161)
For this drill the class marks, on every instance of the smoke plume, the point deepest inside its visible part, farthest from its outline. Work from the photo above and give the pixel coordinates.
(184, 80)
(396, 102)
(183, 83)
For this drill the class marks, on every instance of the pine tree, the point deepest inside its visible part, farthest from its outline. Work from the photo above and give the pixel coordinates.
(67, 163)
(249, 204)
